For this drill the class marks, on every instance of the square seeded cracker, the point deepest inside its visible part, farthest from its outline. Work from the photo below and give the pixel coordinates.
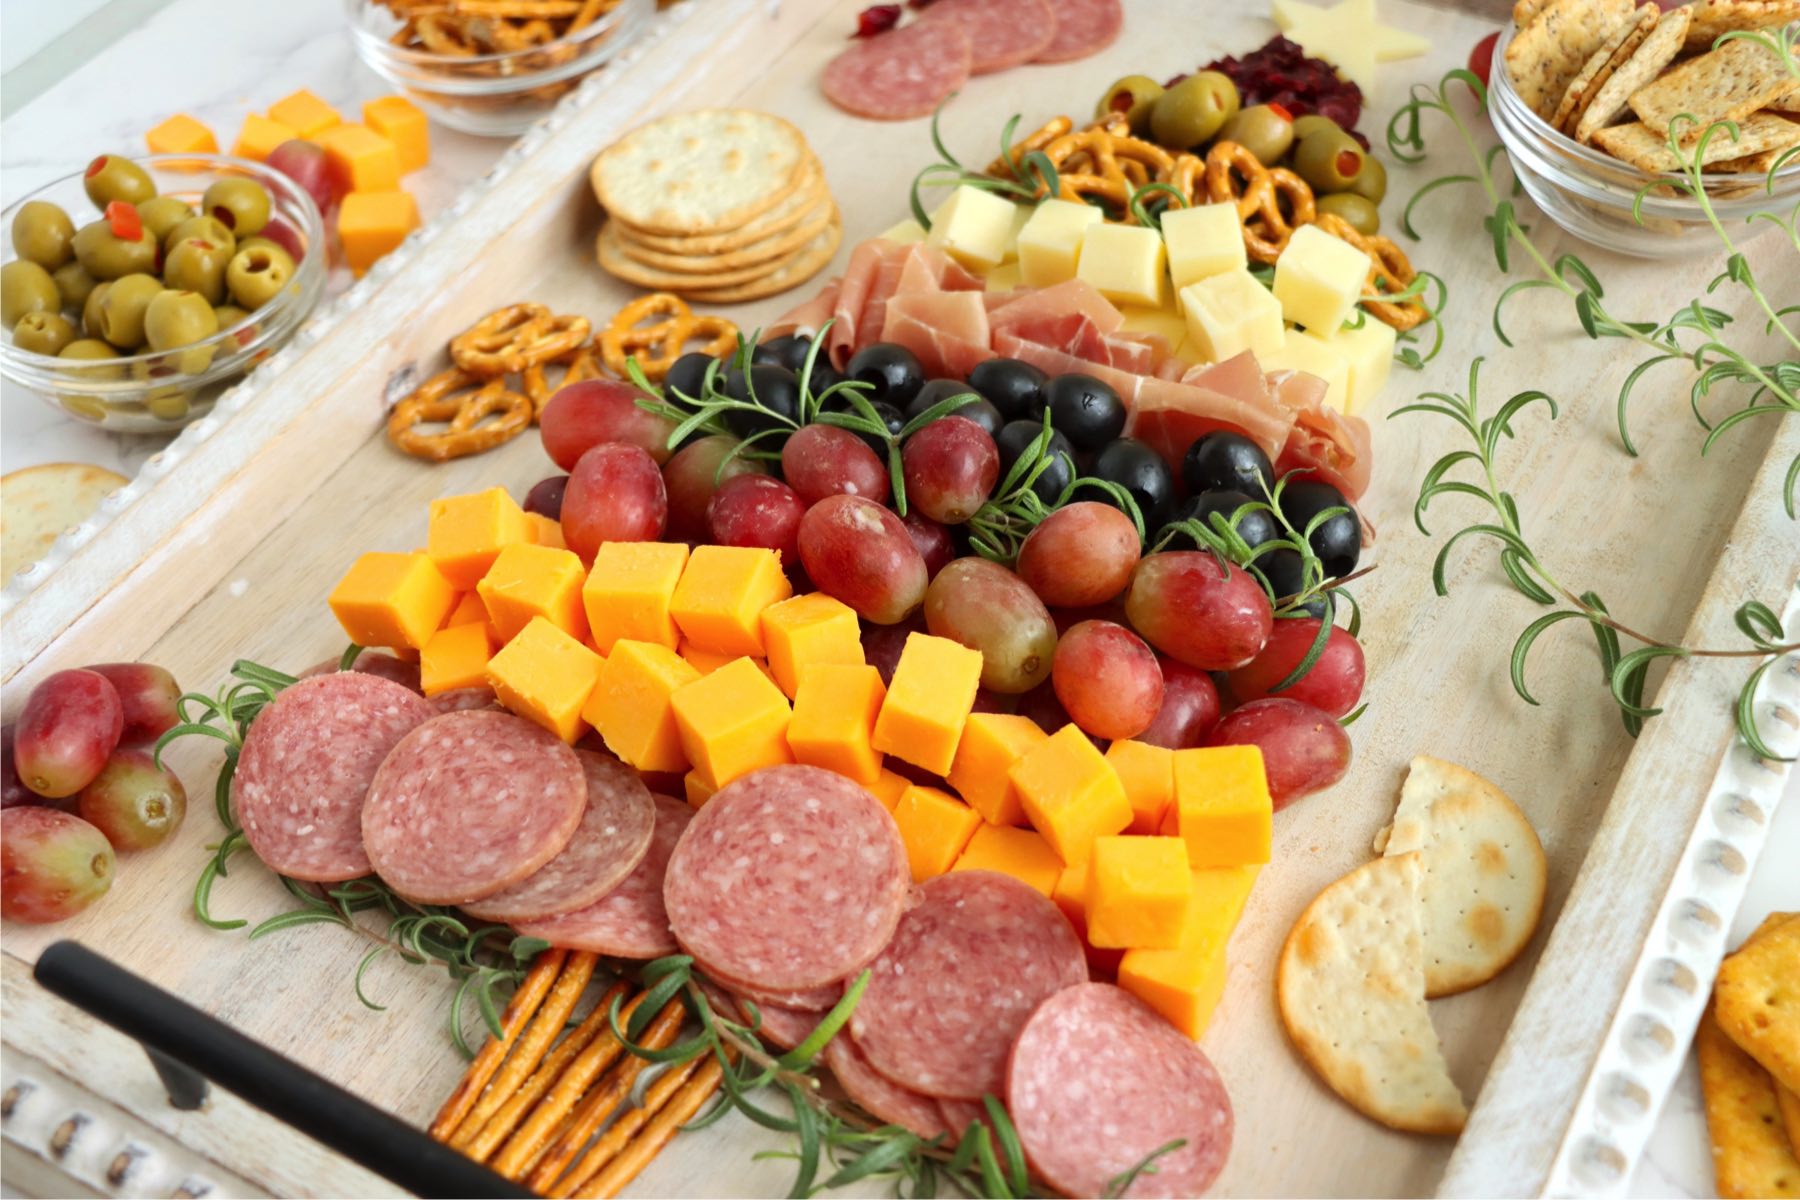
(1653, 52)
(1549, 51)
(1714, 17)
(1728, 84)
(1601, 66)
(1648, 150)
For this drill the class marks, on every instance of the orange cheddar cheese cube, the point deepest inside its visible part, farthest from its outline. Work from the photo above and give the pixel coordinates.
(370, 224)
(803, 630)
(888, 788)
(399, 121)
(305, 113)
(1222, 806)
(1147, 774)
(991, 743)
(456, 656)
(930, 698)
(1070, 894)
(259, 136)
(465, 534)
(732, 721)
(362, 156)
(628, 592)
(834, 716)
(1070, 793)
(181, 134)
(706, 661)
(527, 581)
(546, 675)
(1184, 984)
(1021, 853)
(545, 531)
(469, 610)
(935, 827)
(1138, 892)
(720, 600)
(699, 789)
(631, 705)
(392, 600)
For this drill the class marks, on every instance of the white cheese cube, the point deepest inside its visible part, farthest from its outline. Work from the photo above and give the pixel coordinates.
(1304, 352)
(1021, 214)
(1370, 351)
(1318, 279)
(1165, 323)
(1229, 314)
(1126, 263)
(1049, 243)
(904, 232)
(972, 227)
(1203, 241)
(1003, 278)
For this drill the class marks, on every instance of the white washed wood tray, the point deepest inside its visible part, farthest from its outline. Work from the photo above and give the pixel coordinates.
(227, 548)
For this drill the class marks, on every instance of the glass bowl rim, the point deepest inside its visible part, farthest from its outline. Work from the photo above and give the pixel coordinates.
(394, 55)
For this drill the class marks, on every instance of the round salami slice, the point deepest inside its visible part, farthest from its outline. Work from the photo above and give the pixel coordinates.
(629, 921)
(306, 766)
(906, 72)
(880, 1096)
(790, 877)
(820, 998)
(372, 662)
(1002, 33)
(1098, 1081)
(964, 970)
(613, 837)
(960, 1114)
(469, 804)
(462, 699)
(1083, 27)
(781, 1026)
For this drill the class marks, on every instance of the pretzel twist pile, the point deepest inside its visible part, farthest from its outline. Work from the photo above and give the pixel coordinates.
(511, 339)
(656, 346)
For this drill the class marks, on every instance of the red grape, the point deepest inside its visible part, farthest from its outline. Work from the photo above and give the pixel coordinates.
(950, 467)
(692, 476)
(1107, 680)
(1042, 706)
(147, 699)
(858, 551)
(1080, 554)
(1333, 683)
(1481, 58)
(993, 702)
(592, 412)
(285, 236)
(824, 460)
(935, 544)
(134, 802)
(13, 791)
(986, 607)
(1190, 708)
(307, 164)
(69, 726)
(1197, 609)
(615, 494)
(1067, 618)
(882, 645)
(546, 497)
(757, 510)
(1304, 750)
(53, 864)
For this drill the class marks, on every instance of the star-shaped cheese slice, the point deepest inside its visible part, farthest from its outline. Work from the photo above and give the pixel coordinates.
(1347, 35)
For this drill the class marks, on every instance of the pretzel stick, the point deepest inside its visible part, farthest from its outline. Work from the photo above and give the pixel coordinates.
(525, 1001)
(603, 1101)
(675, 1111)
(480, 1140)
(619, 1134)
(577, 969)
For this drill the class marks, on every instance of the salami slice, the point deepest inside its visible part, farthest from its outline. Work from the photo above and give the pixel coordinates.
(372, 662)
(1098, 1081)
(820, 998)
(306, 766)
(906, 72)
(781, 1026)
(960, 1114)
(629, 921)
(462, 699)
(880, 1096)
(613, 837)
(1083, 27)
(964, 971)
(469, 804)
(1002, 33)
(790, 877)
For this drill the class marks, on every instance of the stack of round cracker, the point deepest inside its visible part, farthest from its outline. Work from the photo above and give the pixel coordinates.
(718, 205)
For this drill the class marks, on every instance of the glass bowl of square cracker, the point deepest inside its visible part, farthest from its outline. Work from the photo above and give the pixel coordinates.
(1584, 95)
(491, 67)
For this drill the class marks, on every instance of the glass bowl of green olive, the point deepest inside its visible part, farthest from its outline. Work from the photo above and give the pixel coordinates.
(136, 290)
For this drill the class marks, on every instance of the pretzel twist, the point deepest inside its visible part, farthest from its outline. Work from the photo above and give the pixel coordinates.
(658, 344)
(465, 402)
(1266, 227)
(578, 365)
(510, 339)
(1389, 272)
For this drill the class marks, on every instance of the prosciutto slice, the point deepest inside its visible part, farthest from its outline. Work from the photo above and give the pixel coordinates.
(866, 261)
(1024, 308)
(1231, 395)
(947, 331)
(1324, 441)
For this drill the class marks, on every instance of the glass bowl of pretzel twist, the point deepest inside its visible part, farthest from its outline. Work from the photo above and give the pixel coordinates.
(491, 67)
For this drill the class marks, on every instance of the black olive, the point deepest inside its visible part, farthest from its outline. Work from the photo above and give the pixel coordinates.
(1286, 573)
(777, 393)
(1338, 540)
(1255, 527)
(892, 370)
(1142, 472)
(823, 375)
(1016, 438)
(686, 375)
(1015, 388)
(1227, 462)
(977, 410)
(1085, 410)
(787, 351)
(893, 418)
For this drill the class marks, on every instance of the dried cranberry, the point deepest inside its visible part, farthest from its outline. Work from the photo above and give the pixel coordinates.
(877, 18)
(1279, 72)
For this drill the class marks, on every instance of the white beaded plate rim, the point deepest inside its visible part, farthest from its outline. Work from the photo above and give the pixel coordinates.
(235, 400)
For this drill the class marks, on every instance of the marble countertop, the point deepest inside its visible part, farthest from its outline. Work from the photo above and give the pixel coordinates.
(220, 59)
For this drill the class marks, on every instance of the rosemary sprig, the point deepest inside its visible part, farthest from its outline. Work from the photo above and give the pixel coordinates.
(1031, 175)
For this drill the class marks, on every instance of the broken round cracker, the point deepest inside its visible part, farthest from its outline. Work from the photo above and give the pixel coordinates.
(1607, 100)
(705, 171)
(1728, 84)
(38, 504)
(1647, 150)
(1601, 65)
(1751, 1155)
(1713, 18)
(1484, 872)
(1757, 1001)
(767, 253)
(1550, 49)
(1351, 989)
